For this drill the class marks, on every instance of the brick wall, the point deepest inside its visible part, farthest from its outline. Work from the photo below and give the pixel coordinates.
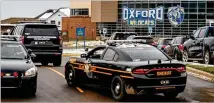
(70, 24)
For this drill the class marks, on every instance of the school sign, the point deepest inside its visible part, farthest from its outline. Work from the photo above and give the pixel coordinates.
(149, 17)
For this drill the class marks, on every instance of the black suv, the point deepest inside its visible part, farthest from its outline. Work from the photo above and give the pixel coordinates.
(43, 39)
(200, 46)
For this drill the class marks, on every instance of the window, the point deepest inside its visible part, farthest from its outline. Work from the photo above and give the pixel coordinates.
(211, 32)
(196, 33)
(53, 21)
(109, 55)
(41, 30)
(202, 33)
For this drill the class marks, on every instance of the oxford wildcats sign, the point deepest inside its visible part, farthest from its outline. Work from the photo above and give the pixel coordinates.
(175, 15)
(142, 17)
(148, 17)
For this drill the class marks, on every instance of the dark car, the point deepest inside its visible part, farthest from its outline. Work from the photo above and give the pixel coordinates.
(200, 46)
(17, 69)
(146, 39)
(128, 69)
(175, 48)
(163, 42)
(43, 39)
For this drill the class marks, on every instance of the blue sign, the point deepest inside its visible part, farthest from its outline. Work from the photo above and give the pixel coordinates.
(80, 31)
(175, 15)
(143, 17)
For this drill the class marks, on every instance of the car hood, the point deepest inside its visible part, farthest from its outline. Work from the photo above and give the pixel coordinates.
(16, 65)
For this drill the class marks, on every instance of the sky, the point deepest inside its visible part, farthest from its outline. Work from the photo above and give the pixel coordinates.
(29, 8)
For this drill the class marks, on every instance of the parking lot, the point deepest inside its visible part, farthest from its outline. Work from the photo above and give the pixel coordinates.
(52, 87)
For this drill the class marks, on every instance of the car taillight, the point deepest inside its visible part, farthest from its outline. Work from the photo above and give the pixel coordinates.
(163, 46)
(181, 69)
(22, 39)
(2, 74)
(15, 74)
(60, 40)
(181, 47)
(140, 71)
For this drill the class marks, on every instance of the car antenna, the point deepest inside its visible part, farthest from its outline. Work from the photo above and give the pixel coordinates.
(159, 61)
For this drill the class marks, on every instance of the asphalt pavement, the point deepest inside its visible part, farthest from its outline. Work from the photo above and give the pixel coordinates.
(52, 87)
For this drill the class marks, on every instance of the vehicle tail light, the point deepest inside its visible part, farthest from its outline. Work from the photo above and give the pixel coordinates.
(60, 40)
(181, 69)
(140, 71)
(163, 46)
(22, 39)
(15, 74)
(2, 74)
(181, 47)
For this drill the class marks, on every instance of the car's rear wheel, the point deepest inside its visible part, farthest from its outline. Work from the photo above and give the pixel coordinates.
(206, 57)
(70, 76)
(57, 61)
(170, 95)
(44, 63)
(185, 56)
(118, 88)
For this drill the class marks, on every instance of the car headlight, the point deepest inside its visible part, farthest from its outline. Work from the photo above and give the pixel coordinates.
(31, 72)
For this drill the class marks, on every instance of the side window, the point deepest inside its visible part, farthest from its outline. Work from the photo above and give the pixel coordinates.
(196, 33)
(211, 32)
(97, 53)
(109, 55)
(202, 33)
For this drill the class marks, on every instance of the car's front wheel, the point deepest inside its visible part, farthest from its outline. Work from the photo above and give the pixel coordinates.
(57, 61)
(118, 88)
(171, 95)
(70, 76)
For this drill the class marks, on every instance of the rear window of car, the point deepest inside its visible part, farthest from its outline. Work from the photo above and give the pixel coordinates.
(41, 30)
(123, 36)
(144, 53)
(164, 41)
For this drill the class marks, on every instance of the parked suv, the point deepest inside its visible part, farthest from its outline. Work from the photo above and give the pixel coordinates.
(43, 39)
(175, 48)
(200, 46)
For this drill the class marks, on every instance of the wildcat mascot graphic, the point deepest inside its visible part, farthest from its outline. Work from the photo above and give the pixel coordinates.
(176, 15)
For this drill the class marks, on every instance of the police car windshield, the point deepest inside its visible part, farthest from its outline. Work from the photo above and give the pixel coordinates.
(144, 53)
(41, 30)
(12, 51)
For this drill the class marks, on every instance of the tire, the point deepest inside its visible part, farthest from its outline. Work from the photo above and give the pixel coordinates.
(57, 61)
(171, 95)
(118, 88)
(44, 63)
(206, 59)
(70, 77)
(185, 56)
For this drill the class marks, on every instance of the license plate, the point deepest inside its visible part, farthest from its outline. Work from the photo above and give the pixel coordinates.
(41, 42)
(164, 73)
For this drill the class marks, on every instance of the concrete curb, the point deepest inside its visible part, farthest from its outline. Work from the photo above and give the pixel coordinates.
(200, 74)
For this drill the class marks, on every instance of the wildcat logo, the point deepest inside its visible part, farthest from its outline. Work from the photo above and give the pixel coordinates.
(175, 15)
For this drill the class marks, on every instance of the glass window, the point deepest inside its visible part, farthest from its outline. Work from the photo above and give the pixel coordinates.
(41, 30)
(196, 33)
(202, 33)
(144, 53)
(211, 32)
(109, 55)
(12, 51)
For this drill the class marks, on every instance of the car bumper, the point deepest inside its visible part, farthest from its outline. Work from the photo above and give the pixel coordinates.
(143, 85)
(22, 82)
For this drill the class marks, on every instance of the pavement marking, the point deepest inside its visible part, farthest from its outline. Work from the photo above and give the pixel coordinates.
(78, 88)
(56, 71)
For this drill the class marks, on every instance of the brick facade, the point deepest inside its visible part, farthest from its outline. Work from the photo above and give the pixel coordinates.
(69, 25)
